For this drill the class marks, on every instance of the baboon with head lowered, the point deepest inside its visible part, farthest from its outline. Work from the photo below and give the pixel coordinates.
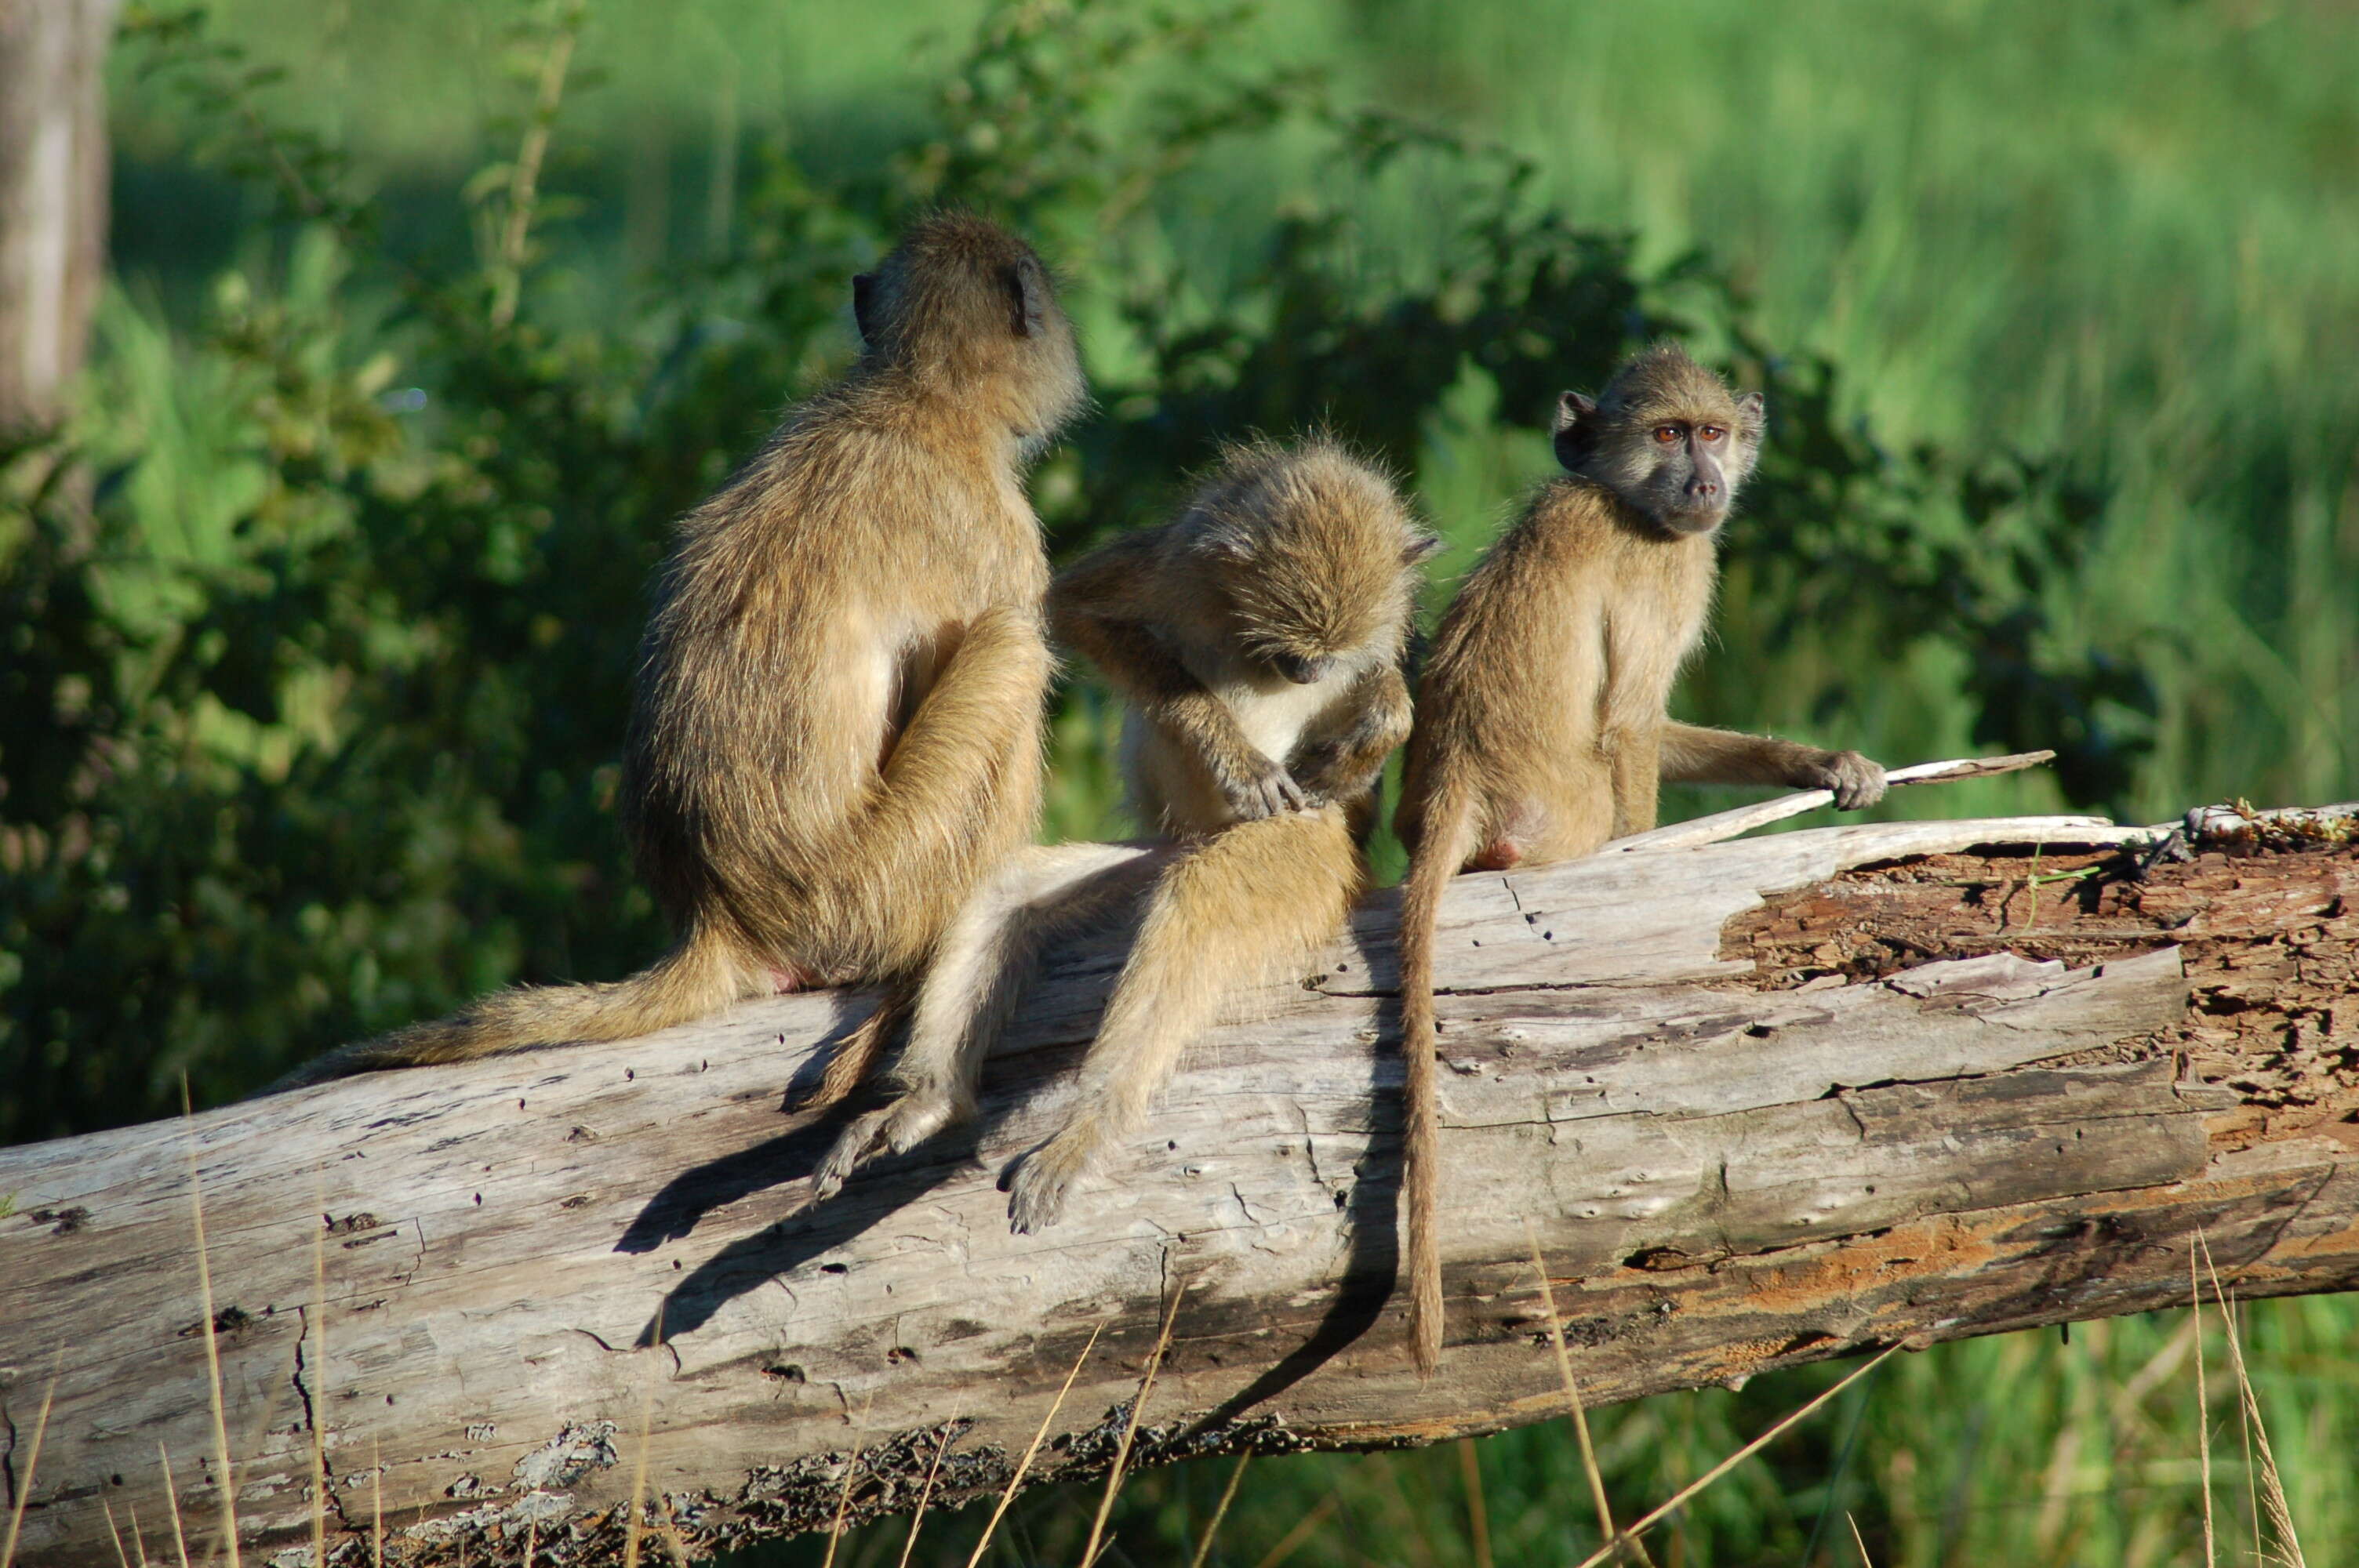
(1258, 640)
(836, 724)
(1541, 730)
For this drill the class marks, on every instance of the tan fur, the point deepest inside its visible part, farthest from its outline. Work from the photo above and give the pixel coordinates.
(1541, 730)
(1257, 786)
(836, 727)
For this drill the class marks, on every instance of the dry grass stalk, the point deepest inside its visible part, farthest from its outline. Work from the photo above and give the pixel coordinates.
(1130, 1432)
(1858, 1540)
(639, 1475)
(843, 1499)
(24, 1483)
(1572, 1400)
(212, 1346)
(1294, 1537)
(1025, 1464)
(1219, 1511)
(376, 1505)
(115, 1535)
(172, 1495)
(138, 1542)
(2202, 1405)
(1478, 1516)
(1734, 1460)
(318, 1338)
(925, 1493)
(2272, 1493)
(532, 1540)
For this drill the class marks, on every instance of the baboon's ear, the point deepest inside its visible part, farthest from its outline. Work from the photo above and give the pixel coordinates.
(1027, 290)
(1419, 549)
(864, 305)
(1575, 436)
(1754, 410)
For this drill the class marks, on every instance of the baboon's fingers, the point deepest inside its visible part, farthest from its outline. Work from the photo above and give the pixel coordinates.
(861, 1142)
(1858, 780)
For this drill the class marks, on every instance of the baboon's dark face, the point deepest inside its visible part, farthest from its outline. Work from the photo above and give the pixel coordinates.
(1666, 437)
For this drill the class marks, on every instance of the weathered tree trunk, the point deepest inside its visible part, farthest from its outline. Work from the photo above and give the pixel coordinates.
(1764, 1102)
(53, 175)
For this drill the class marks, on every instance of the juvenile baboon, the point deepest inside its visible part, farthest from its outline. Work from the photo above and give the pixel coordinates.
(836, 723)
(1541, 730)
(1259, 640)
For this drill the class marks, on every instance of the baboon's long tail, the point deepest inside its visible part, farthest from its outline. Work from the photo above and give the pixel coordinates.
(1448, 839)
(697, 978)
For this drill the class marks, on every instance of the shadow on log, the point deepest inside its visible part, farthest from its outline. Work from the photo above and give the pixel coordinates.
(1765, 1102)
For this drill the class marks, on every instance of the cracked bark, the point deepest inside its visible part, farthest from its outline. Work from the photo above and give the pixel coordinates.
(1765, 1102)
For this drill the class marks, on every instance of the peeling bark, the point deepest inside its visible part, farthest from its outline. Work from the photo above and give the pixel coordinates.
(1765, 1102)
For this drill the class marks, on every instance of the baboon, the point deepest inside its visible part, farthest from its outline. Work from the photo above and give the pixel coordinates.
(1541, 730)
(836, 725)
(1258, 640)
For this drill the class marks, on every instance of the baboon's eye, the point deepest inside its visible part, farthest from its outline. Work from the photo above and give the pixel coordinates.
(1667, 434)
(1710, 432)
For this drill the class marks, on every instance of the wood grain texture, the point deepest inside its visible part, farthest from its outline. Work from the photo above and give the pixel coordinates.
(1766, 1101)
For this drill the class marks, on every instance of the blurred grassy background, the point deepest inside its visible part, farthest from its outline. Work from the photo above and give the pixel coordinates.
(2115, 238)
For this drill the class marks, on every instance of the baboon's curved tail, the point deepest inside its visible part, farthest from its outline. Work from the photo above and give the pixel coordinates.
(696, 978)
(1447, 839)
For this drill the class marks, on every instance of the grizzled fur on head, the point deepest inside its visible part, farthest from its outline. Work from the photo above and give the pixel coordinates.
(1313, 548)
(1667, 436)
(966, 310)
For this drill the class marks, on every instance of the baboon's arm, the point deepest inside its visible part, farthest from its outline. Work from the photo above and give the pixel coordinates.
(1693, 753)
(1102, 607)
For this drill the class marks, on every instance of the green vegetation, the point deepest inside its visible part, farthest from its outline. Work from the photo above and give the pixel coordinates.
(319, 648)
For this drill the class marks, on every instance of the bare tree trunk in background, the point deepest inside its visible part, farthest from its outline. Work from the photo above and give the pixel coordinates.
(53, 176)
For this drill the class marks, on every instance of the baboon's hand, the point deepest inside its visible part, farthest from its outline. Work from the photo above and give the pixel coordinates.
(1857, 781)
(1320, 770)
(1258, 787)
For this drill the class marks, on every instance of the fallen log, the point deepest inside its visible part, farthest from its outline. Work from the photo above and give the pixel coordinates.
(1765, 1102)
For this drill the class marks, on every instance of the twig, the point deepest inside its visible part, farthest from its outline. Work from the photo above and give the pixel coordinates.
(1724, 825)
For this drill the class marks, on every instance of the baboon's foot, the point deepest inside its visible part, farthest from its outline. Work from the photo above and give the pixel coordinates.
(1040, 1181)
(895, 1130)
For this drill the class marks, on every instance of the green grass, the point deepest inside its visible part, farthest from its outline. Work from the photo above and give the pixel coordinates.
(2119, 234)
